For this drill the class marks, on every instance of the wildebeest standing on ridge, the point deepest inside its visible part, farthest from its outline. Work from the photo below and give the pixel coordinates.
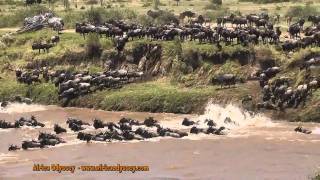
(225, 80)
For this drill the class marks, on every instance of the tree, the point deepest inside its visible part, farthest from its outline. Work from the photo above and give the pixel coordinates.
(101, 3)
(177, 1)
(66, 4)
(75, 2)
(51, 2)
(156, 4)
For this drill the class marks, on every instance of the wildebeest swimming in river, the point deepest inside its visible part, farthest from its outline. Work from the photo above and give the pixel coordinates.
(302, 130)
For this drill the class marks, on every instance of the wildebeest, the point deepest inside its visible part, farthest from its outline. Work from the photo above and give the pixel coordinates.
(225, 80)
(44, 46)
(295, 29)
(58, 129)
(55, 39)
(300, 129)
(314, 19)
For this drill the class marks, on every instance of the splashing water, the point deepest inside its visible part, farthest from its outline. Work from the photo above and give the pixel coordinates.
(316, 131)
(21, 108)
(232, 117)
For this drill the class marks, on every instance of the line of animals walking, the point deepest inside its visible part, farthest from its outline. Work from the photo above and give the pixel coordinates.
(279, 93)
(73, 84)
(126, 129)
(253, 28)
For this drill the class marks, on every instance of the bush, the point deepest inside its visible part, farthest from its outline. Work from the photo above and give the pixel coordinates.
(166, 17)
(212, 15)
(91, 2)
(265, 1)
(93, 45)
(94, 16)
(212, 6)
(146, 4)
(71, 17)
(99, 15)
(7, 39)
(145, 20)
(302, 11)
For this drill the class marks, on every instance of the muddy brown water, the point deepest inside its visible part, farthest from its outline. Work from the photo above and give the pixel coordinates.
(261, 149)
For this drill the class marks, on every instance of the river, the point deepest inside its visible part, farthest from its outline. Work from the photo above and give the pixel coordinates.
(255, 148)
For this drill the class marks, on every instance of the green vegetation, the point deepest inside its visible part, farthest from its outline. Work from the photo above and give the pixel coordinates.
(93, 45)
(158, 96)
(265, 1)
(302, 11)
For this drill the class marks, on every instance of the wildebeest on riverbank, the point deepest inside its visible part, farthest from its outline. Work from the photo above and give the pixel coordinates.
(225, 80)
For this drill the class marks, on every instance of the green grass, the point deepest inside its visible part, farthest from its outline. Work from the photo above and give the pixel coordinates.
(158, 96)
(317, 177)
(40, 93)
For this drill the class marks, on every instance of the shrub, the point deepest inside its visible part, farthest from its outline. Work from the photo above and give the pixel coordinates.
(2, 45)
(145, 20)
(265, 1)
(99, 15)
(302, 11)
(278, 8)
(93, 45)
(94, 16)
(7, 39)
(212, 6)
(70, 18)
(91, 2)
(166, 17)
(212, 15)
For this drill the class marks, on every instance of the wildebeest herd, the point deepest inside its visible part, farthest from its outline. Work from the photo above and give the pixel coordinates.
(126, 129)
(74, 84)
(280, 93)
(252, 28)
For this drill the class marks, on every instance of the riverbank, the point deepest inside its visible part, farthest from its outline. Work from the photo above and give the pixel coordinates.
(159, 96)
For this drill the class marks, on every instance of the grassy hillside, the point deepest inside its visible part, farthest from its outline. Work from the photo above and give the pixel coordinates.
(183, 87)
(183, 84)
